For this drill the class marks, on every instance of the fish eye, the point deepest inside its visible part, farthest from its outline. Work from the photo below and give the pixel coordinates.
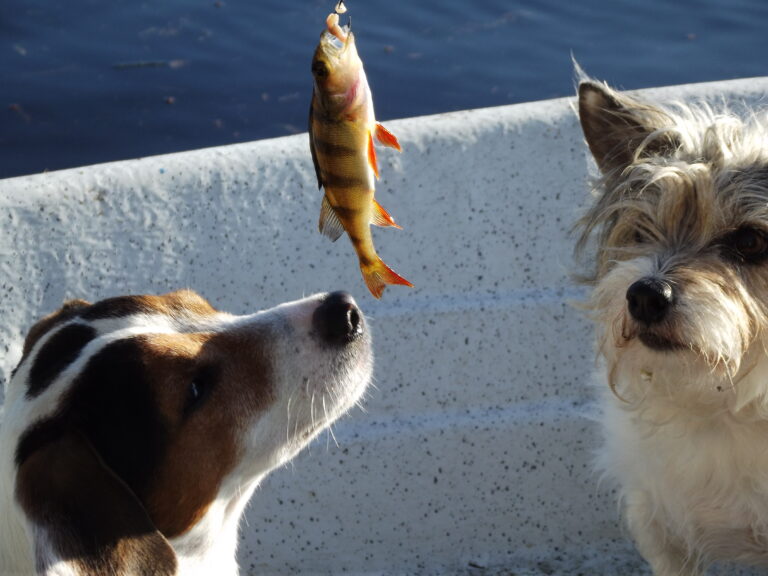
(320, 69)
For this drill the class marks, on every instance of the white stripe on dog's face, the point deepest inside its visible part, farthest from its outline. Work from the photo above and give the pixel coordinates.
(181, 401)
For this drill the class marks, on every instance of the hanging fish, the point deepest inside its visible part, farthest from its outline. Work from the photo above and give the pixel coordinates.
(342, 128)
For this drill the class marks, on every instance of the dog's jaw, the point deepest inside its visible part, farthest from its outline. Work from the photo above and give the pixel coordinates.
(210, 547)
(315, 384)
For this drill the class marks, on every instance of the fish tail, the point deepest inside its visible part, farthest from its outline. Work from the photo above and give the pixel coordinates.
(377, 275)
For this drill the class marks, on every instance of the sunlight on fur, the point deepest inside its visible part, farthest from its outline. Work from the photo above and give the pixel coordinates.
(675, 247)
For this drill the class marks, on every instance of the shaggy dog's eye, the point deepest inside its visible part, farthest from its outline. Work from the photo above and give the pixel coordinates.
(746, 244)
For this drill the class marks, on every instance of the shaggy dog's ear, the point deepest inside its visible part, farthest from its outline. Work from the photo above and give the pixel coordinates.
(84, 518)
(619, 129)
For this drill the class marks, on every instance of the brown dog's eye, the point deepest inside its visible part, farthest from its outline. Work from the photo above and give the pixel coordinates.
(199, 389)
(748, 245)
(196, 390)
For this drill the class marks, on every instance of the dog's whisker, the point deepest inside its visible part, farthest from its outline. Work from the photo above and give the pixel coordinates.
(330, 431)
(312, 409)
(295, 425)
(288, 420)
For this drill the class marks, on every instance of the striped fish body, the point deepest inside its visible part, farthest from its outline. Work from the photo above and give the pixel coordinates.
(342, 127)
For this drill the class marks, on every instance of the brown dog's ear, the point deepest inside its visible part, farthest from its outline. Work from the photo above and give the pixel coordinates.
(616, 126)
(84, 517)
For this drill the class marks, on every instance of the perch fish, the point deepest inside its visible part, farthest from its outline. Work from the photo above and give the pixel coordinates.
(342, 128)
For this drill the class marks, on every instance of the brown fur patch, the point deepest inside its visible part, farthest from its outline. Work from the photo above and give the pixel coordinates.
(69, 310)
(93, 521)
(56, 354)
(180, 303)
(617, 126)
(133, 404)
(202, 441)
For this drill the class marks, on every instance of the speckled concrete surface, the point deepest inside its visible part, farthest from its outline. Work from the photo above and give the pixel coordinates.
(473, 454)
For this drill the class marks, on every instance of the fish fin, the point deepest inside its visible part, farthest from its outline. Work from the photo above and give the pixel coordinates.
(312, 143)
(381, 217)
(372, 156)
(330, 225)
(377, 275)
(386, 137)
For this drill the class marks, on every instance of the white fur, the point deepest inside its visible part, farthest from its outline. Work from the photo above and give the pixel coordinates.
(686, 439)
(685, 422)
(694, 477)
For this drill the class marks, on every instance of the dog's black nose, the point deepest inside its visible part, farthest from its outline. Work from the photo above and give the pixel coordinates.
(338, 319)
(649, 300)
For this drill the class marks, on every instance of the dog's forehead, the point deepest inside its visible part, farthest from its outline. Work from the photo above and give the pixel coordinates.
(55, 341)
(181, 311)
(702, 196)
(184, 303)
(180, 304)
(68, 311)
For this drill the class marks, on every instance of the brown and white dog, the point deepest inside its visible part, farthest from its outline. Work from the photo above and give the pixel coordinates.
(136, 429)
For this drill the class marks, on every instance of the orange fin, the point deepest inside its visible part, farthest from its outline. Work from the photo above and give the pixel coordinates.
(372, 156)
(330, 225)
(386, 137)
(381, 217)
(378, 275)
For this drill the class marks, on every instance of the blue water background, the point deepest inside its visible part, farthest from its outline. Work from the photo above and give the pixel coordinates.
(87, 81)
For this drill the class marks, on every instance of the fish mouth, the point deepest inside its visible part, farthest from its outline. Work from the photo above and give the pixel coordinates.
(335, 39)
(332, 45)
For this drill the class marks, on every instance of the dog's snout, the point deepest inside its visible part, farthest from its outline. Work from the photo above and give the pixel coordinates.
(338, 319)
(649, 300)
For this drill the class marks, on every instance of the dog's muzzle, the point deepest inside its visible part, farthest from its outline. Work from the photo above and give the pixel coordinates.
(338, 320)
(649, 300)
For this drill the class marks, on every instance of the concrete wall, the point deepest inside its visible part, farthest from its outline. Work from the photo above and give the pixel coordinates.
(473, 454)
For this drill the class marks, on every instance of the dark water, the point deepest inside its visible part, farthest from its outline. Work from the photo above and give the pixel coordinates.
(87, 81)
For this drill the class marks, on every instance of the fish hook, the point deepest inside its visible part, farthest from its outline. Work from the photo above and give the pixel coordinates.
(341, 8)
